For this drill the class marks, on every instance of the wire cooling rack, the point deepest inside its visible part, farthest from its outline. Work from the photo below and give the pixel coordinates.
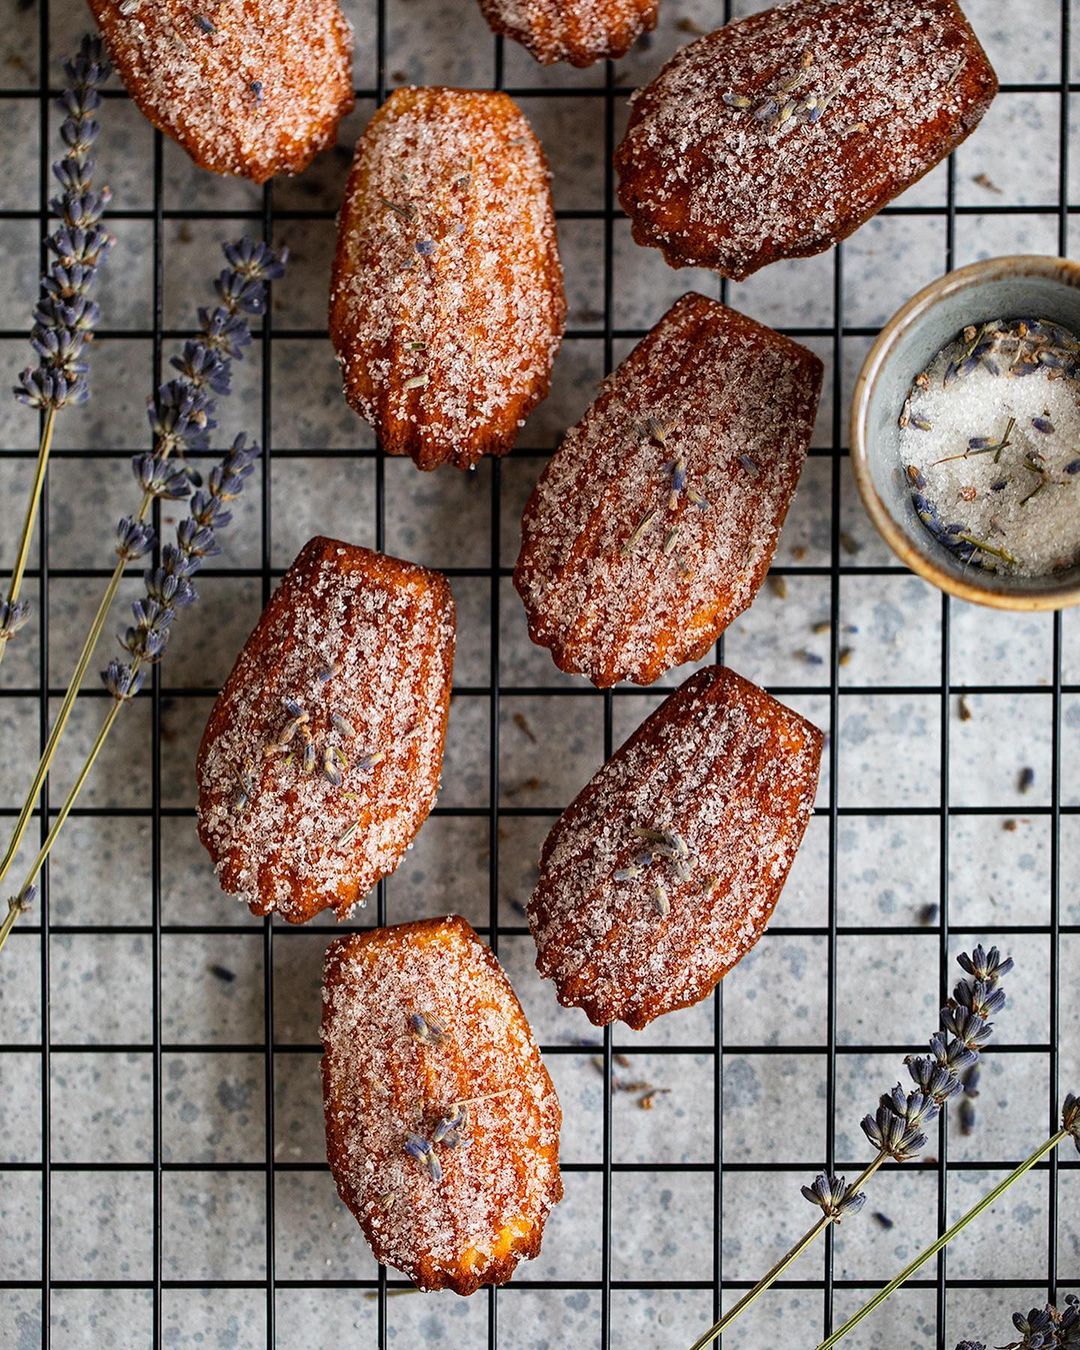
(83, 1262)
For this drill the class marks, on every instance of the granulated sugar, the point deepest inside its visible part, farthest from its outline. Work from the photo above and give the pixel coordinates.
(990, 439)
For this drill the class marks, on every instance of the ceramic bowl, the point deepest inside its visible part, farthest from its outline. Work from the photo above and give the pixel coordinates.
(1005, 288)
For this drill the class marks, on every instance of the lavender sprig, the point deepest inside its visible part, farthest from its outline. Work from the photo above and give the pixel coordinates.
(66, 314)
(145, 640)
(1039, 1328)
(181, 417)
(168, 586)
(895, 1129)
(1044, 1328)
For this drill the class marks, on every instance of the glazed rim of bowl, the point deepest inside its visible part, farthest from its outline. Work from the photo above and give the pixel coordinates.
(993, 589)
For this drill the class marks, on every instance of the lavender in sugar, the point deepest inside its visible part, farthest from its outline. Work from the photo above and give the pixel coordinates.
(989, 437)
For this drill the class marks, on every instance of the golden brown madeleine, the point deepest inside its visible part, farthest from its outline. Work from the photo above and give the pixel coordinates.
(578, 31)
(446, 305)
(442, 1124)
(654, 523)
(665, 869)
(253, 88)
(780, 134)
(322, 755)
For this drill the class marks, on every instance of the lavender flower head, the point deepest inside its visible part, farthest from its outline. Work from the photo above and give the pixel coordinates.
(1070, 1118)
(181, 419)
(66, 315)
(896, 1127)
(181, 412)
(1046, 1328)
(13, 615)
(169, 586)
(835, 1197)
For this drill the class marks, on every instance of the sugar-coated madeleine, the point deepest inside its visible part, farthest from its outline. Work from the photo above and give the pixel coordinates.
(654, 523)
(665, 869)
(780, 134)
(442, 1124)
(256, 88)
(578, 31)
(446, 304)
(322, 755)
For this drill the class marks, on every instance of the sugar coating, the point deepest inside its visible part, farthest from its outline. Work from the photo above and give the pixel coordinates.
(733, 773)
(578, 31)
(250, 87)
(380, 1082)
(1042, 533)
(278, 835)
(720, 186)
(446, 304)
(735, 403)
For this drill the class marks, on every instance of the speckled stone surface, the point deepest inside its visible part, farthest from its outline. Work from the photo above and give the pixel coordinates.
(202, 1111)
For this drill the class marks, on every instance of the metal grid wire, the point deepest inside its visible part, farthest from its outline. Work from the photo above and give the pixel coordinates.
(715, 1172)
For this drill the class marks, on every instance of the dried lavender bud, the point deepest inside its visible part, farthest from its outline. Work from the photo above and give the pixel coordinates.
(20, 903)
(911, 1107)
(988, 967)
(416, 1146)
(448, 1130)
(65, 315)
(1034, 1326)
(425, 1028)
(168, 587)
(932, 1078)
(133, 539)
(330, 770)
(169, 583)
(13, 615)
(968, 1027)
(253, 260)
(834, 1196)
(950, 1052)
(979, 998)
(1070, 1118)
(121, 681)
(891, 1134)
(195, 540)
(158, 478)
